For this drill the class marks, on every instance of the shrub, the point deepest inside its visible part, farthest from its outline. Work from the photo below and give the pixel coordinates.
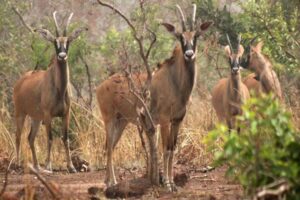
(267, 149)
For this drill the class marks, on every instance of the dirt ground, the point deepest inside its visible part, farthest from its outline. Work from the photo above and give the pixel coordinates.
(196, 184)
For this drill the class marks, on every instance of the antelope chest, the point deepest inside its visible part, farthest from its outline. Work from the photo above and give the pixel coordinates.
(60, 108)
(234, 110)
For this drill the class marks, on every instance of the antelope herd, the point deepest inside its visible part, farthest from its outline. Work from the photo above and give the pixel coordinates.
(43, 95)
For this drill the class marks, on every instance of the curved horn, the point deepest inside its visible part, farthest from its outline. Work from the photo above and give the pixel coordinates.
(253, 40)
(68, 22)
(229, 43)
(193, 17)
(239, 42)
(56, 24)
(182, 18)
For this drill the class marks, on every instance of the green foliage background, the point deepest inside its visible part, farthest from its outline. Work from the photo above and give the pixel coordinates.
(267, 149)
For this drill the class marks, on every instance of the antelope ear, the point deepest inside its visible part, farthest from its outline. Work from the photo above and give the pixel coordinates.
(259, 46)
(171, 29)
(228, 51)
(203, 27)
(76, 33)
(45, 34)
(241, 51)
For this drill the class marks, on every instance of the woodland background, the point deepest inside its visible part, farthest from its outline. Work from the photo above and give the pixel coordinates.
(102, 52)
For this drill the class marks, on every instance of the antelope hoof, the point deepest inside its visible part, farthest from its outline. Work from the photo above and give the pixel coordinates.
(173, 187)
(71, 169)
(45, 171)
(170, 186)
(109, 183)
(49, 167)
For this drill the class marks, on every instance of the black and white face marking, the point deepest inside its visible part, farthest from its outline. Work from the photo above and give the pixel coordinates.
(61, 46)
(188, 42)
(234, 64)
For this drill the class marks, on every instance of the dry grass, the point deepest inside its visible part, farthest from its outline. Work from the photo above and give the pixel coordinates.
(89, 133)
(90, 138)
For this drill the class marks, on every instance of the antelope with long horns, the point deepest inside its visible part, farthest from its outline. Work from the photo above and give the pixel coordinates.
(264, 78)
(170, 90)
(230, 93)
(43, 95)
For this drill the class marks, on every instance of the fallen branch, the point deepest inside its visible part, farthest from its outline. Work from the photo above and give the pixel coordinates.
(6, 176)
(276, 189)
(56, 194)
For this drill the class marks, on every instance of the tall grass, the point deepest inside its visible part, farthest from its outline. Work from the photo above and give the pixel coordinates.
(87, 131)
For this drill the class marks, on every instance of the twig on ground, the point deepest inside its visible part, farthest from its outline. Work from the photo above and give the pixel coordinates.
(56, 194)
(6, 176)
(276, 189)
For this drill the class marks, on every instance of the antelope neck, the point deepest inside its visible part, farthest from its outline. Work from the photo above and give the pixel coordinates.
(183, 76)
(235, 83)
(61, 76)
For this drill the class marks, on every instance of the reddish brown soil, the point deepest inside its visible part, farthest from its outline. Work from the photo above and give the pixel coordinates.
(210, 185)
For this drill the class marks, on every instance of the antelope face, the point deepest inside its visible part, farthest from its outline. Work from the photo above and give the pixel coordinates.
(61, 46)
(234, 59)
(255, 57)
(188, 39)
(234, 62)
(188, 42)
(61, 41)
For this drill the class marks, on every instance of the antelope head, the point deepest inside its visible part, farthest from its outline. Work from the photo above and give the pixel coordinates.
(256, 59)
(245, 62)
(61, 41)
(188, 38)
(234, 59)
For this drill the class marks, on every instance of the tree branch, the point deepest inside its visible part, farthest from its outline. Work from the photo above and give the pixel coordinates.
(89, 79)
(29, 28)
(138, 39)
(145, 90)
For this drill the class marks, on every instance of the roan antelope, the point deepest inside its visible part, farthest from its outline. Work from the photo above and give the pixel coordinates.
(264, 78)
(170, 90)
(230, 93)
(43, 95)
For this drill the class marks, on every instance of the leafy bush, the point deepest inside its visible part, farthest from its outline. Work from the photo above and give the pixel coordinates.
(267, 149)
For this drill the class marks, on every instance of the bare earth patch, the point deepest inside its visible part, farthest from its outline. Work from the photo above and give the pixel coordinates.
(196, 185)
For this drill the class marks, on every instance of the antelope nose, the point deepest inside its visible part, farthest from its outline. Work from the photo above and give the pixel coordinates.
(62, 55)
(189, 53)
(235, 69)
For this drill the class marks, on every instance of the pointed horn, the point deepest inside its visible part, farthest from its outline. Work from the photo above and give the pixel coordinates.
(229, 43)
(253, 40)
(193, 17)
(182, 18)
(68, 22)
(239, 42)
(56, 24)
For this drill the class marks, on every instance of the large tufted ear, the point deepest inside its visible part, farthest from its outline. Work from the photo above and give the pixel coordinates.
(76, 33)
(45, 34)
(228, 51)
